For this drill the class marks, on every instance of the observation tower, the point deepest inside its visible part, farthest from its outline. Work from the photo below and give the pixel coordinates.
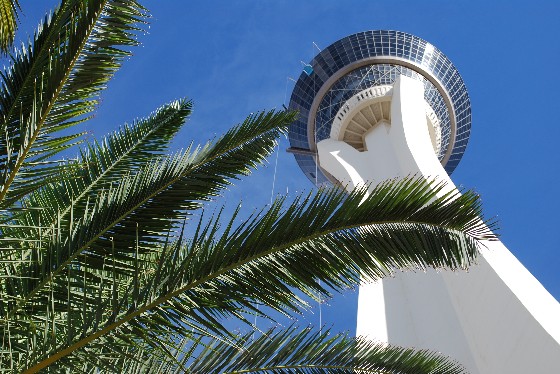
(385, 104)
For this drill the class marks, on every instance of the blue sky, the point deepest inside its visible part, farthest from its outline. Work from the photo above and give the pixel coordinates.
(233, 58)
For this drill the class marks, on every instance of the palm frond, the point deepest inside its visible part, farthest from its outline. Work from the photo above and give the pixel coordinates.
(296, 350)
(325, 241)
(290, 350)
(53, 82)
(106, 163)
(8, 23)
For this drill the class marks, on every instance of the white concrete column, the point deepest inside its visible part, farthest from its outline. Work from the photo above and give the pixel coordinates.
(497, 318)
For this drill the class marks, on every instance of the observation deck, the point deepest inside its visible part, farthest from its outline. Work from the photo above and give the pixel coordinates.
(361, 64)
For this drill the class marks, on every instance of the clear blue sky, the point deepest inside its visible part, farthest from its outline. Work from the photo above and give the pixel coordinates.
(233, 58)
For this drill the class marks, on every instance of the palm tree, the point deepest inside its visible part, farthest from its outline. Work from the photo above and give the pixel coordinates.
(104, 268)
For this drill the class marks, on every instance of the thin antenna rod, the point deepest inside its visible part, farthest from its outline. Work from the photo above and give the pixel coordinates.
(275, 170)
(320, 301)
(288, 79)
(320, 313)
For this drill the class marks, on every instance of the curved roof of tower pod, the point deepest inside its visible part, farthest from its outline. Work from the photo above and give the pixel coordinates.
(372, 58)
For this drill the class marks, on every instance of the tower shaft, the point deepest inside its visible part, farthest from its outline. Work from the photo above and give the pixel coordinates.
(497, 318)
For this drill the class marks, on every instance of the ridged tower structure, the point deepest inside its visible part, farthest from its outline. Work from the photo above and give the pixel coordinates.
(385, 104)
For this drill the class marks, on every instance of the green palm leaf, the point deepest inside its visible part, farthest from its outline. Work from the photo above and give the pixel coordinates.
(320, 242)
(8, 23)
(53, 82)
(291, 350)
(106, 163)
(305, 351)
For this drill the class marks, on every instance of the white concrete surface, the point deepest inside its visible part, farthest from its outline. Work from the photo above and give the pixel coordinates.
(497, 318)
